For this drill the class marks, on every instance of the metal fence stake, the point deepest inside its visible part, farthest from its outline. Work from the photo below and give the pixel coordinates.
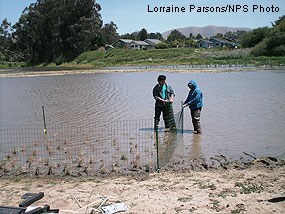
(156, 139)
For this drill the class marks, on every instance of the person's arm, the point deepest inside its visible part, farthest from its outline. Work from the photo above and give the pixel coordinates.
(196, 99)
(155, 93)
(171, 99)
(162, 100)
(171, 94)
(187, 100)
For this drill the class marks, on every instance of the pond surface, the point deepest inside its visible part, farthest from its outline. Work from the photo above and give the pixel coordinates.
(243, 112)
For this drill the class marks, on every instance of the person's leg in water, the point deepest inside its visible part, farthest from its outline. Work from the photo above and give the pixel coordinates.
(165, 115)
(157, 113)
(195, 115)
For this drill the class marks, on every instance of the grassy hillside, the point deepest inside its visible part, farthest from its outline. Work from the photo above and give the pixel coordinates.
(176, 56)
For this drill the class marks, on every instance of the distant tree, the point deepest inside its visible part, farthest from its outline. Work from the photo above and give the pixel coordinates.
(252, 38)
(234, 35)
(7, 48)
(190, 43)
(162, 45)
(155, 36)
(109, 33)
(176, 44)
(191, 36)
(50, 30)
(6, 29)
(132, 36)
(152, 36)
(5, 41)
(126, 36)
(277, 22)
(159, 36)
(274, 43)
(219, 35)
(175, 35)
(143, 34)
(199, 36)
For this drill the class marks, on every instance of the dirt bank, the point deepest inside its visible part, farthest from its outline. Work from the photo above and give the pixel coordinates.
(252, 190)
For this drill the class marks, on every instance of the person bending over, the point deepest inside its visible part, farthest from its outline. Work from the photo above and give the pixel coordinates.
(164, 97)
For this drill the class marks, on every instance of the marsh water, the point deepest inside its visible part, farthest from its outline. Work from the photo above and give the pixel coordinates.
(243, 112)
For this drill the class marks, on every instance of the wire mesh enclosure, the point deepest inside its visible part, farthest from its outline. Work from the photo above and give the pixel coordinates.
(85, 149)
(78, 148)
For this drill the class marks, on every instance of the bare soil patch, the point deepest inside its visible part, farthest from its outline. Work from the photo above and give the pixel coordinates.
(252, 190)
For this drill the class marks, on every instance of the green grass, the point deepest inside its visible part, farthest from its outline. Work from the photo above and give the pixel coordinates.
(175, 56)
(172, 56)
(4, 64)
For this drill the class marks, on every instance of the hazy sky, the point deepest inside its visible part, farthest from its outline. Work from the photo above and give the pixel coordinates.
(133, 15)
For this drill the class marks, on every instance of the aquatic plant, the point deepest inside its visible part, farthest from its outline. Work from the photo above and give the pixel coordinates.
(37, 171)
(46, 162)
(34, 153)
(86, 170)
(14, 152)
(148, 166)
(66, 170)
(35, 144)
(50, 171)
(124, 157)
(30, 160)
(115, 167)
(23, 148)
(80, 163)
(91, 160)
(49, 149)
(103, 169)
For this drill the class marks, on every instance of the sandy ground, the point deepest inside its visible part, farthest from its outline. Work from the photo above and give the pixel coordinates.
(253, 190)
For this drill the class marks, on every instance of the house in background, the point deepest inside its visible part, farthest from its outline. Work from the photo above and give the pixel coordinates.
(139, 45)
(221, 42)
(135, 45)
(122, 43)
(216, 42)
(204, 43)
(152, 42)
(109, 47)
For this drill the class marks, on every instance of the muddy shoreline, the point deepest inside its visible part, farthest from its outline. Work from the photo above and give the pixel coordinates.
(48, 71)
(217, 163)
(255, 189)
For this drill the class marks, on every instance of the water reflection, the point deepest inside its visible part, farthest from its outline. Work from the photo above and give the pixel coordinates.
(167, 146)
(195, 151)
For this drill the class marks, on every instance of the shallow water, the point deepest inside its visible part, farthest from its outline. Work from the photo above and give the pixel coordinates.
(244, 111)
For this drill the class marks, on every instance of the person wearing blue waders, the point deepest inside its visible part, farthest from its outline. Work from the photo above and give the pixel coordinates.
(164, 97)
(195, 102)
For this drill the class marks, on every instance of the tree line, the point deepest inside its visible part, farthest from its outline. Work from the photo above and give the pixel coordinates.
(266, 41)
(55, 31)
(59, 30)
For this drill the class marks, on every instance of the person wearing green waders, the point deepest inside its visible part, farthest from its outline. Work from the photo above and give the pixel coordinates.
(164, 97)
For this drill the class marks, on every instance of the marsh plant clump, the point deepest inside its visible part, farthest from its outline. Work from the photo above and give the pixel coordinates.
(58, 155)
